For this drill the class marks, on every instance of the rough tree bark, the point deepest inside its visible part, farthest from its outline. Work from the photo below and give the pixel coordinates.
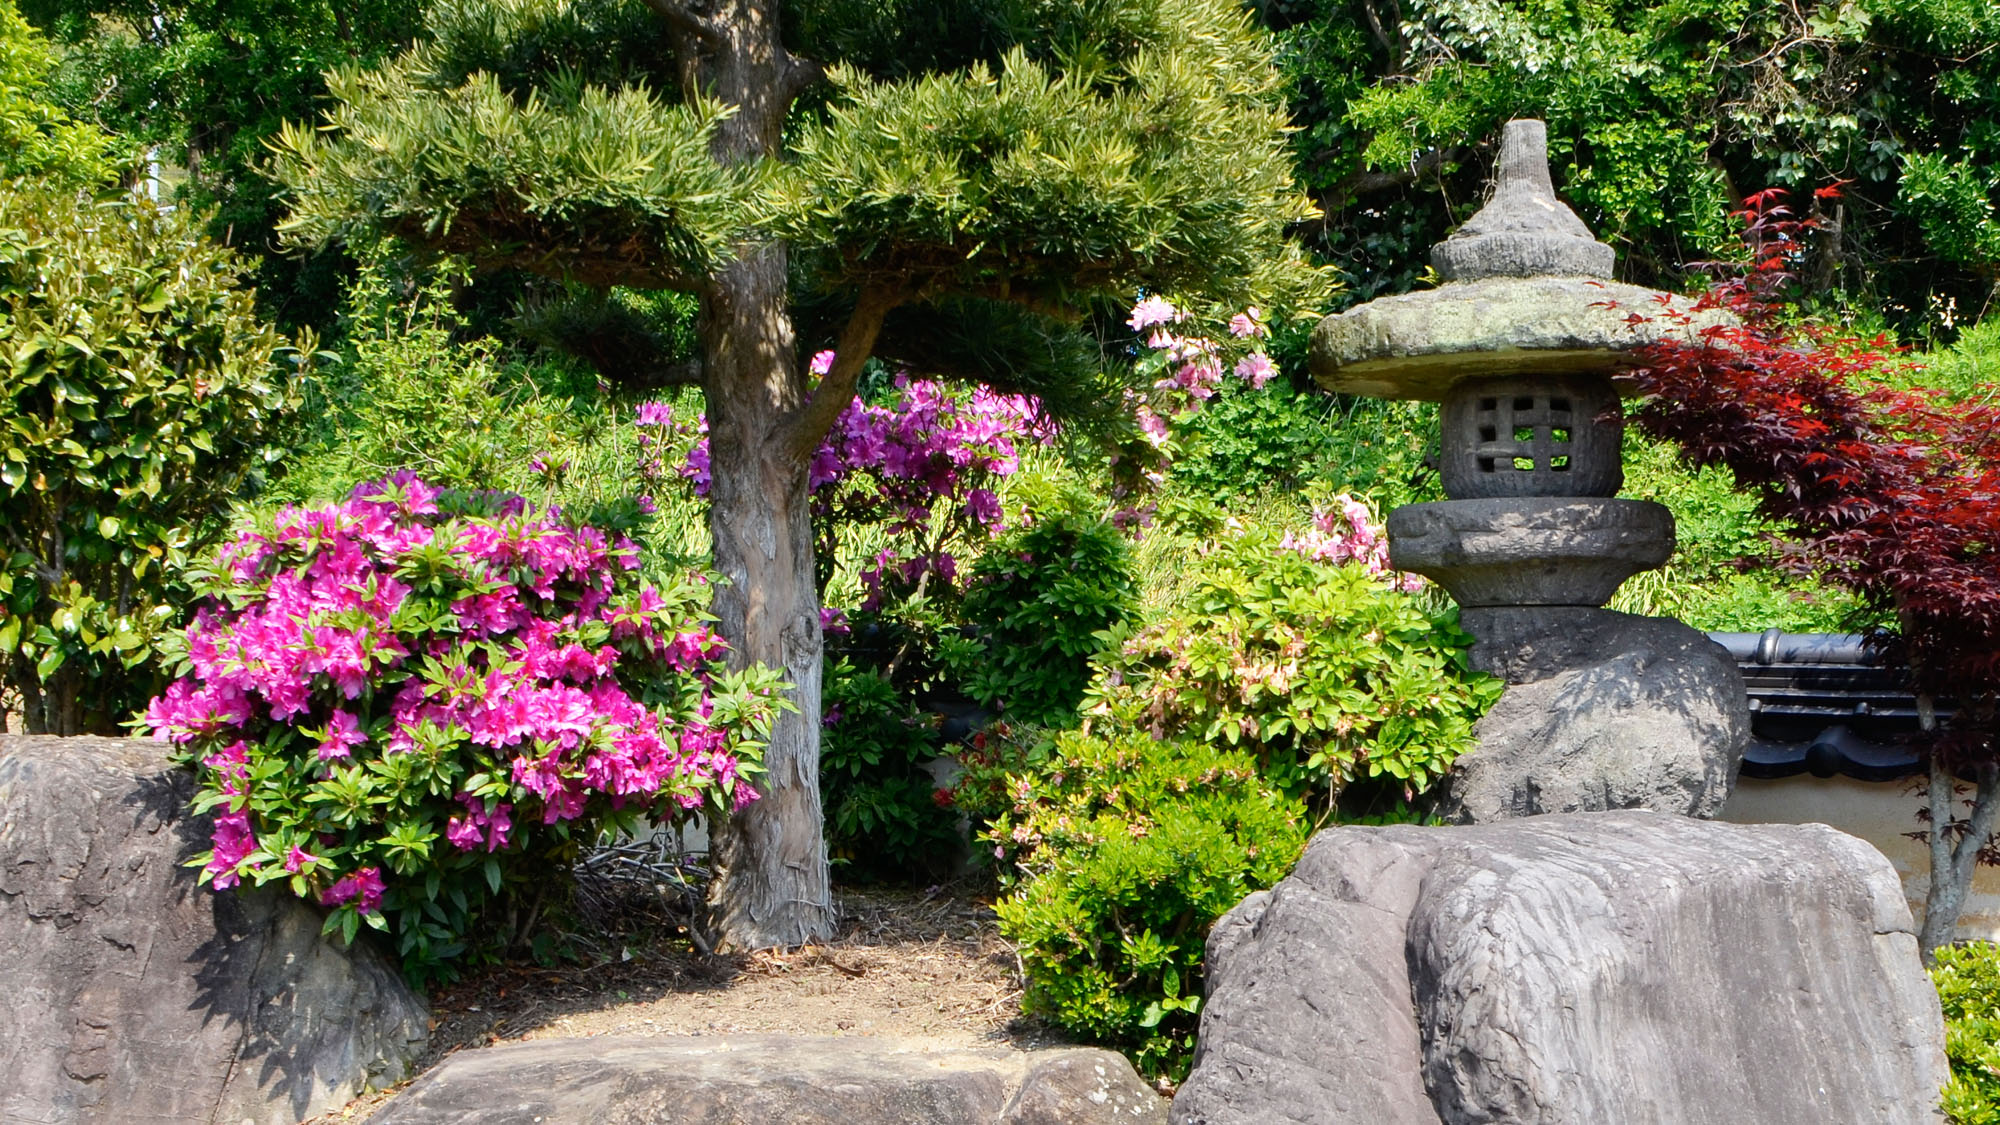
(764, 422)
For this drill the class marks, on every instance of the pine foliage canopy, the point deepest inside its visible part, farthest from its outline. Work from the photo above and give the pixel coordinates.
(1064, 148)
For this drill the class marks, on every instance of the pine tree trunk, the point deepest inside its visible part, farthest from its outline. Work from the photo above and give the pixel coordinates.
(770, 888)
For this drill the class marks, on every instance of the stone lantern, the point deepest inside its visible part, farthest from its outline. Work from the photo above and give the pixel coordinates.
(1520, 346)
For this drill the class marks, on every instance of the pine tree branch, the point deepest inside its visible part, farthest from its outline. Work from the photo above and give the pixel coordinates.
(802, 432)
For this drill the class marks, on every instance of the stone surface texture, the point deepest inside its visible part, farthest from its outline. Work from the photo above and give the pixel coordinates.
(755, 1079)
(1603, 710)
(1523, 230)
(1636, 968)
(1418, 345)
(1527, 293)
(132, 995)
(1530, 551)
(1571, 429)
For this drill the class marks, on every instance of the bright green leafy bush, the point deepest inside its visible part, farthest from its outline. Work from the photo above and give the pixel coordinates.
(1724, 573)
(1968, 983)
(36, 137)
(143, 396)
(1319, 669)
(1125, 850)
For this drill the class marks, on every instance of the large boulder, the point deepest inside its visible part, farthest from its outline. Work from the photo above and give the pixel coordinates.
(1612, 967)
(799, 1080)
(1603, 710)
(131, 994)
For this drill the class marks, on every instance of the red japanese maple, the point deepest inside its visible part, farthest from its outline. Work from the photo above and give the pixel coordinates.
(1891, 492)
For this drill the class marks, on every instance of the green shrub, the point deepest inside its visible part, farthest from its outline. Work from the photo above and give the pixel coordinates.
(1038, 600)
(143, 396)
(884, 816)
(415, 389)
(1125, 850)
(1968, 983)
(1721, 575)
(1321, 670)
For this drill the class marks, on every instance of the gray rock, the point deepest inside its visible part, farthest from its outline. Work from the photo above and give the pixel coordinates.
(1530, 550)
(713, 1080)
(130, 994)
(1524, 230)
(1603, 710)
(1611, 967)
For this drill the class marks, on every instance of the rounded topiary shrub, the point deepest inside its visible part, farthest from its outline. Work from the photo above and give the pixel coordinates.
(416, 706)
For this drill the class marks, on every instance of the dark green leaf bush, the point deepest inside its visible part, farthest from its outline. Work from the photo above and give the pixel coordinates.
(1125, 849)
(1039, 599)
(143, 396)
(885, 816)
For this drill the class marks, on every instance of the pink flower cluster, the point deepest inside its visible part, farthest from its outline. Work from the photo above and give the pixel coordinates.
(1347, 532)
(1187, 371)
(923, 463)
(1194, 363)
(383, 626)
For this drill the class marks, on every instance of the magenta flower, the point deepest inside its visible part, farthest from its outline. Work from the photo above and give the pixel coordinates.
(233, 841)
(364, 885)
(297, 859)
(343, 733)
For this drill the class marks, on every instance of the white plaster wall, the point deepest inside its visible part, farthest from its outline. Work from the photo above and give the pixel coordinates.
(1879, 812)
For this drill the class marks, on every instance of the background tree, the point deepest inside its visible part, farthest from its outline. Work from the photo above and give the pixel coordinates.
(140, 400)
(1660, 116)
(36, 137)
(201, 86)
(939, 160)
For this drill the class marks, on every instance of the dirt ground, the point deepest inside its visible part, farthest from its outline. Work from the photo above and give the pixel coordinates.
(904, 964)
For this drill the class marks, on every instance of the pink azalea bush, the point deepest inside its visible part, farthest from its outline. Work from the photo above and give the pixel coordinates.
(1184, 369)
(1346, 531)
(410, 704)
(1304, 649)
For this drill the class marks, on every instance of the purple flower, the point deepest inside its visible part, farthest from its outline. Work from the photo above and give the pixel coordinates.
(343, 731)
(233, 842)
